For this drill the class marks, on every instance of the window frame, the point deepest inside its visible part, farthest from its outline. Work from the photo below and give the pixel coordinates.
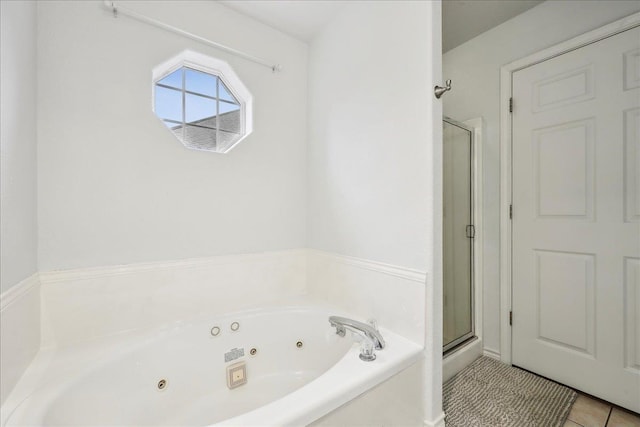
(213, 66)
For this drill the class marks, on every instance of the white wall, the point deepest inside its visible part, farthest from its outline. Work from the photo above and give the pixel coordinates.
(368, 135)
(18, 232)
(374, 167)
(115, 187)
(474, 68)
(19, 296)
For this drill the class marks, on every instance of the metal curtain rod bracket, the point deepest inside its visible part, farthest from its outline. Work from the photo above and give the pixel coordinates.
(119, 10)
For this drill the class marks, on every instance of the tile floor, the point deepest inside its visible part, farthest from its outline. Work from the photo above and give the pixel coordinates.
(591, 412)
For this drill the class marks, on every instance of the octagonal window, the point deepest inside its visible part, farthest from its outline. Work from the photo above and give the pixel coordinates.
(202, 102)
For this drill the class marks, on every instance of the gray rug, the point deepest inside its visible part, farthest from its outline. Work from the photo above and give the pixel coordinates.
(490, 393)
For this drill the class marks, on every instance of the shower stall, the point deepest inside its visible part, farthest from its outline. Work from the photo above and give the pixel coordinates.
(458, 234)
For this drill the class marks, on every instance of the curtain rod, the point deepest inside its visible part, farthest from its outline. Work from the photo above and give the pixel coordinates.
(117, 9)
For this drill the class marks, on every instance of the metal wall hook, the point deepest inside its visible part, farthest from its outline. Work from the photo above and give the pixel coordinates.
(439, 90)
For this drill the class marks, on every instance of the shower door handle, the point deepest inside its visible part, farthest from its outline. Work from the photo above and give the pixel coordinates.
(471, 231)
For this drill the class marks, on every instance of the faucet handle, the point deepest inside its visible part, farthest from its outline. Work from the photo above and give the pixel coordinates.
(373, 323)
(367, 350)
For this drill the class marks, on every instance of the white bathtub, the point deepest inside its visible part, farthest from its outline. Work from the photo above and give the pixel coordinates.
(115, 383)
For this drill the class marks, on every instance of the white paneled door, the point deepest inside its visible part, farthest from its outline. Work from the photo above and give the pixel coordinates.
(576, 219)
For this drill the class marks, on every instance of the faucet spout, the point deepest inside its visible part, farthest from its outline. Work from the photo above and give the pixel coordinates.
(368, 331)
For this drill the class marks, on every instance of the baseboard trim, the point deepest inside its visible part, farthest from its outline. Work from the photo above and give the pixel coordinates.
(438, 422)
(491, 353)
(379, 267)
(51, 277)
(16, 292)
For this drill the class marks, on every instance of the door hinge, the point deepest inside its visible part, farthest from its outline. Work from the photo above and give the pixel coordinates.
(511, 318)
(510, 211)
(511, 105)
(471, 231)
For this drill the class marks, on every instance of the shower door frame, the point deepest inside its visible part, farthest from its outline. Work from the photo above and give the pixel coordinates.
(474, 127)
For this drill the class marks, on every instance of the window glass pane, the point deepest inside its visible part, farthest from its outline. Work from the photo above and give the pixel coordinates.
(199, 82)
(174, 79)
(226, 93)
(200, 138)
(201, 110)
(225, 107)
(226, 140)
(168, 104)
(230, 121)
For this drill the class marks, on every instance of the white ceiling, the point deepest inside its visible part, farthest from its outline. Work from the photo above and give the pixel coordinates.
(462, 20)
(301, 19)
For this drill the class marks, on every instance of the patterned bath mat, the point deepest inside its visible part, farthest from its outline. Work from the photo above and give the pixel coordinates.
(489, 393)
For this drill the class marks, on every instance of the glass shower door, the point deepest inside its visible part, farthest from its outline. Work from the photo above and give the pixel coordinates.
(458, 232)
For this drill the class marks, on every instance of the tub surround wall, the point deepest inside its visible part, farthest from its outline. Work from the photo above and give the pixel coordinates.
(401, 397)
(115, 186)
(392, 295)
(89, 304)
(19, 332)
(19, 297)
(474, 68)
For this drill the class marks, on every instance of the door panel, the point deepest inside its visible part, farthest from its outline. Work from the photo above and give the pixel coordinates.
(565, 278)
(564, 189)
(632, 313)
(563, 89)
(632, 164)
(632, 69)
(576, 218)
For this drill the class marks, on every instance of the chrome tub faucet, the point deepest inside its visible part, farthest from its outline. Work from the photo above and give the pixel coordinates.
(371, 338)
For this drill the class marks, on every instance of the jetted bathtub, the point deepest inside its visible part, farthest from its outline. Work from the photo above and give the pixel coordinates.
(297, 370)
